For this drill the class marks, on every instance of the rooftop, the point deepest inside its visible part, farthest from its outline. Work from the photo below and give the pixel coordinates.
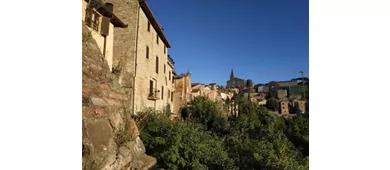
(182, 75)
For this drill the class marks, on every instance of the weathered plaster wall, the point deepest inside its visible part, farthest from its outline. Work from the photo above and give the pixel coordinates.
(182, 93)
(146, 68)
(100, 39)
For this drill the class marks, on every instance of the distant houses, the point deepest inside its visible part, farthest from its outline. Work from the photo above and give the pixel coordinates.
(290, 94)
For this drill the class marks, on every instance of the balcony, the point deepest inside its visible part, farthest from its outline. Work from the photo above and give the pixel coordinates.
(155, 95)
(170, 61)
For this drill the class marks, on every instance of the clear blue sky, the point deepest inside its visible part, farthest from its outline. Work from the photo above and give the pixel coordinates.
(262, 40)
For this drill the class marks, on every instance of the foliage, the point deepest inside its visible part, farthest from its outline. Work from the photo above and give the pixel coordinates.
(183, 145)
(298, 132)
(256, 139)
(272, 104)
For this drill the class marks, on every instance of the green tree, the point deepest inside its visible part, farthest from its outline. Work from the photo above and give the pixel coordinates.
(297, 130)
(183, 145)
(256, 139)
(272, 104)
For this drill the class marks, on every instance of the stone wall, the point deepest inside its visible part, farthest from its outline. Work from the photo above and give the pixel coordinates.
(124, 52)
(300, 106)
(105, 117)
(284, 108)
(182, 92)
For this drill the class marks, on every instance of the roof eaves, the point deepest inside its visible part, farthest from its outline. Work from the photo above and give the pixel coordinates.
(153, 21)
(103, 10)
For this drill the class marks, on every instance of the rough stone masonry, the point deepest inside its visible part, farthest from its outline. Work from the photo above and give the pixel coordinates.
(104, 116)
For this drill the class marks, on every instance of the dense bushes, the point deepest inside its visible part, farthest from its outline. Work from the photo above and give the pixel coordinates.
(182, 145)
(273, 104)
(255, 139)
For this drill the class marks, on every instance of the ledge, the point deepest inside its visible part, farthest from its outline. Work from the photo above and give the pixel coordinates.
(153, 98)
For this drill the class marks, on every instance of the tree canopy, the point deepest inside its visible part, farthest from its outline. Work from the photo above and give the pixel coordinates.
(256, 139)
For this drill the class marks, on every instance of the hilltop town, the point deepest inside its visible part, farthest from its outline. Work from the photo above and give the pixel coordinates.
(127, 69)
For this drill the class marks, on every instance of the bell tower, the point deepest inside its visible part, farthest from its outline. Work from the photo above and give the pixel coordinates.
(231, 75)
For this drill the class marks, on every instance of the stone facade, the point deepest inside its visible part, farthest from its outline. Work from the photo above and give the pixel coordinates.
(211, 93)
(280, 94)
(208, 91)
(235, 82)
(284, 107)
(141, 57)
(155, 68)
(105, 116)
(182, 93)
(104, 39)
(197, 90)
(300, 106)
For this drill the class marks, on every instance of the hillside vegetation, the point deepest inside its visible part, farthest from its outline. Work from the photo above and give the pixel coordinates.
(256, 139)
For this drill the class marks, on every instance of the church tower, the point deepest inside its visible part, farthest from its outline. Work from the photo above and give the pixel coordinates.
(231, 75)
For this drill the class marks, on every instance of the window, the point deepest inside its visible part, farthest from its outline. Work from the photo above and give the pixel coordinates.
(148, 26)
(172, 97)
(157, 38)
(147, 52)
(162, 92)
(92, 18)
(151, 88)
(157, 64)
(165, 49)
(169, 93)
(173, 80)
(169, 75)
(164, 68)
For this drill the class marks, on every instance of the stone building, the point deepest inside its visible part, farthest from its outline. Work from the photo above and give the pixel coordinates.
(261, 88)
(284, 107)
(208, 91)
(141, 62)
(182, 92)
(101, 22)
(280, 93)
(197, 90)
(235, 82)
(300, 106)
(211, 92)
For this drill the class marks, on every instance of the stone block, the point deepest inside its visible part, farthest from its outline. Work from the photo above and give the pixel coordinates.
(116, 120)
(99, 133)
(94, 112)
(113, 103)
(87, 90)
(118, 96)
(104, 86)
(98, 101)
(124, 151)
(133, 128)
